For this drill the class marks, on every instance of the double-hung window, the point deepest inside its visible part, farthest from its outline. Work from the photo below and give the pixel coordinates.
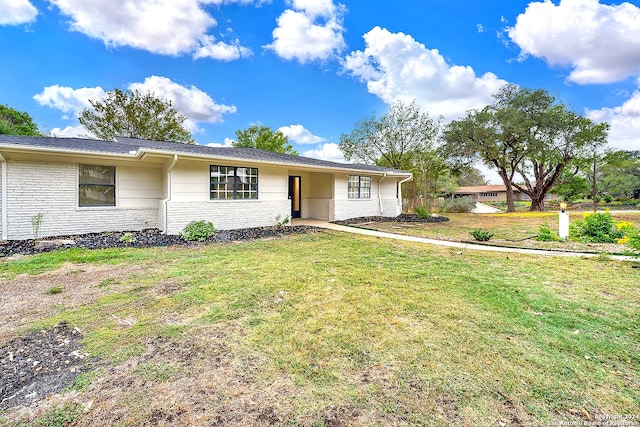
(359, 187)
(232, 182)
(96, 185)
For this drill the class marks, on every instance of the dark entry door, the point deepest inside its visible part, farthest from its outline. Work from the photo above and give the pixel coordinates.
(295, 195)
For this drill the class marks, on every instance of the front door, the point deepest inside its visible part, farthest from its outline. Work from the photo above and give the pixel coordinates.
(295, 195)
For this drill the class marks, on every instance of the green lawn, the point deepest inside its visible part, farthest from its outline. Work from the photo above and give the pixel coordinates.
(509, 229)
(328, 328)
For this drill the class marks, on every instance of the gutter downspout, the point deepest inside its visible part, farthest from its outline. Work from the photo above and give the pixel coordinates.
(3, 196)
(166, 216)
(380, 195)
(400, 190)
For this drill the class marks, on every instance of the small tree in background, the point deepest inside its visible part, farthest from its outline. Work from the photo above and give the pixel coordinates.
(393, 139)
(264, 138)
(135, 114)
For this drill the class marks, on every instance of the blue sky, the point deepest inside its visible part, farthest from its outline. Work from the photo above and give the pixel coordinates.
(312, 68)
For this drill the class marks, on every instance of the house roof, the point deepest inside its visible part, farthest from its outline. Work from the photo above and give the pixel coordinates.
(481, 189)
(132, 147)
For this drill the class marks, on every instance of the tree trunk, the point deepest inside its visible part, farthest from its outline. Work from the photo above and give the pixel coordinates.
(511, 205)
(537, 204)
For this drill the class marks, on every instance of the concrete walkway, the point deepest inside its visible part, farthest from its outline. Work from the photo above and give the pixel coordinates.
(482, 208)
(459, 245)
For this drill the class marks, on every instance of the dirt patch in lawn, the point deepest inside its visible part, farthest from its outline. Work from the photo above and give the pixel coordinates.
(29, 298)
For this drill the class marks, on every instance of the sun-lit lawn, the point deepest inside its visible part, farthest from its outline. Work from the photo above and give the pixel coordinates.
(509, 229)
(326, 328)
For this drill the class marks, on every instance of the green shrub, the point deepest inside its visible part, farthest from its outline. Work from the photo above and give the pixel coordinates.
(36, 224)
(281, 222)
(481, 235)
(595, 228)
(633, 242)
(545, 234)
(422, 212)
(458, 205)
(127, 238)
(198, 230)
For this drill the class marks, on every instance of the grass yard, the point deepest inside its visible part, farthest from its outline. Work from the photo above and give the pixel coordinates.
(330, 329)
(516, 229)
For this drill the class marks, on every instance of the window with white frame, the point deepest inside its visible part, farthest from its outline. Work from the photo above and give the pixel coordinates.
(233, 182)
(489, 194)
(96, 185)
(359, 187)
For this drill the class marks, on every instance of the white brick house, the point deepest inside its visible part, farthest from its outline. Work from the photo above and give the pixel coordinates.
(82, 186)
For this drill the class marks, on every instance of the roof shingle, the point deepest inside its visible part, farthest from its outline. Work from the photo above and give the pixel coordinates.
(125, 146)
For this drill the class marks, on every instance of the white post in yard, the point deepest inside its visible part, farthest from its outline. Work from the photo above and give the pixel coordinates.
(563, 228)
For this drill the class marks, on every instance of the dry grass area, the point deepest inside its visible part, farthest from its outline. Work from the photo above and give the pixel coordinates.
(331, 330)
(509, 229)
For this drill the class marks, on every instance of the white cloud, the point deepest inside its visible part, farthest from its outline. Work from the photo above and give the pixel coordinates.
(397, 67)
(624, 121)
(228, 142)
(192, 102)
(328, 151)
(14, 12)
(601, 43)
(158, 26)
(297, 133)
(67, 99)
(221, 50)
(70, 132)
(311, 30)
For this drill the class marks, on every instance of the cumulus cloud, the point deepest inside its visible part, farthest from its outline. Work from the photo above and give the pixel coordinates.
(297, 133)
(624, 121)
(193, 103)
(228, 142)
(222, 51)
(396, 67)
(70, 132)
(328, 151)
(16, 12)
(158, 26)
(69, 100)
(600, 43)
(311, 30)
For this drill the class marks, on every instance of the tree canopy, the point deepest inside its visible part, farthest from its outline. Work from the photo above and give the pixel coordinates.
(264, 138)
(135, 114)
(14, 122)
(391, 140)
(527, 132)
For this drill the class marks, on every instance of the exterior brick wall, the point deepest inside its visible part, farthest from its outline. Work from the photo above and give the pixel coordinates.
(226, 215)
(51, 189)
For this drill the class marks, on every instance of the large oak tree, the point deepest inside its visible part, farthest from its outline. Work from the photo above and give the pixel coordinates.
(524, 132)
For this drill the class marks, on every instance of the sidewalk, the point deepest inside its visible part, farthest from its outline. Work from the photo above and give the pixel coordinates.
(459, 245)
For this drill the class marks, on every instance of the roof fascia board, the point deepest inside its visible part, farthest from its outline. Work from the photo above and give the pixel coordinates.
(142, 152)
(184, 155)
(61, 151)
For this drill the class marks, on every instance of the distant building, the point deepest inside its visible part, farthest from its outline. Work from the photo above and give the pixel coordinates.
(495, 193)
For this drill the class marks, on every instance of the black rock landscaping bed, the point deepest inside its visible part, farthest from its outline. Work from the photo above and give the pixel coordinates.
(399, 218)
(140, 239)
(40, 363)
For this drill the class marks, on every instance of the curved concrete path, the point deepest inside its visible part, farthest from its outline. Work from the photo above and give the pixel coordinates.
(459, 245)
